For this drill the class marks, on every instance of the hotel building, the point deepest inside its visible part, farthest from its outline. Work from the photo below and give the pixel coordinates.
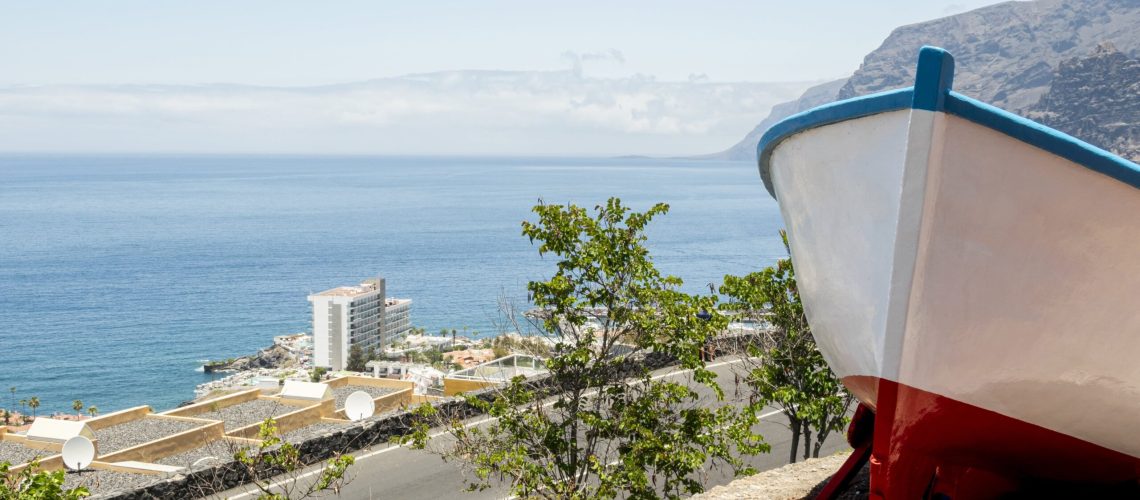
(355, 315)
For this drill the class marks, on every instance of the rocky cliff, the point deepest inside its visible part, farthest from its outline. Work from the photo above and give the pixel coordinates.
(272, 357)
(1097, 99)
(1006, 54)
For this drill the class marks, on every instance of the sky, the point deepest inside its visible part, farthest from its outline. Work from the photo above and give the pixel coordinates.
(588, 77)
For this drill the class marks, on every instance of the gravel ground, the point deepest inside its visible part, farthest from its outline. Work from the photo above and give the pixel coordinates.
(220, 449)
(305, 433)
(105, 481)
(136, 432)
(16, 454)
(341, 393)
(249, 412)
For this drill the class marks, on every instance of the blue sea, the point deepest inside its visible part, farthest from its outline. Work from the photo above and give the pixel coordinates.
(119, 275)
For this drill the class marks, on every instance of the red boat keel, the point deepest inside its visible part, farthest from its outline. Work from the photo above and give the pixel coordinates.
(925, 445)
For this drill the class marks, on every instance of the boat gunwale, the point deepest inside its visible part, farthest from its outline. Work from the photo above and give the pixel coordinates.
(932, 92)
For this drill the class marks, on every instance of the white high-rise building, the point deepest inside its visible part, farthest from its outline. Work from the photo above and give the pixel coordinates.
(355, 315)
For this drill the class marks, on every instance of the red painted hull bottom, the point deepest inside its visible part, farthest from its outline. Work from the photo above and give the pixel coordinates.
(926, 445)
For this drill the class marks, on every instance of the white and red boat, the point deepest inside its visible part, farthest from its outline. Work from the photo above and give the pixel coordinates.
(974, 279)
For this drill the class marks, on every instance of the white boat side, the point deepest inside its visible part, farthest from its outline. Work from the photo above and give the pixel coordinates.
(952, 247)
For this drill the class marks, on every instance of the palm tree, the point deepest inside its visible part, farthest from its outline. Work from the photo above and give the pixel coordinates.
(77, 405)
(24, 406)
(34, 403)
(93, 410)
(13, 391)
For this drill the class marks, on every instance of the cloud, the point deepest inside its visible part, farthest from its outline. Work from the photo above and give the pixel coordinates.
(454, 112)
(577, 60)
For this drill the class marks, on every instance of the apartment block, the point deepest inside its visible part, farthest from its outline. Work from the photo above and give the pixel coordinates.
(356, 315)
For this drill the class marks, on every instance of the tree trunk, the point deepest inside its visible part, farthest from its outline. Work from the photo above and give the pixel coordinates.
(795, 440)
(807, 441)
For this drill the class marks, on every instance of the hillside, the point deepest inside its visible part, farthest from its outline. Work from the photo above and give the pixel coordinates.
(1007, 55)
(1096, 98)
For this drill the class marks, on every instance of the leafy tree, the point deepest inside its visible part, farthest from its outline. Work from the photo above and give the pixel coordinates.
(318, 373)
(33, 484)
(7, 416)
(93, 410)
(274, 453)
(77, 405)
(34, 403)
(356, 359)
(500, 351)
(605, 427)
(787, 369)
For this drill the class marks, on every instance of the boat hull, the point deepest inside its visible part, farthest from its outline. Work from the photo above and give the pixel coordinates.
(971, 276)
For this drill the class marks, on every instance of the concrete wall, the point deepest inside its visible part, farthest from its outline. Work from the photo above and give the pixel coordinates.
(51, 461)
(453, 386)
(302, 417)
(370, 382)
(116, 418)
(213, 404)
(210, 430)
(388, 402)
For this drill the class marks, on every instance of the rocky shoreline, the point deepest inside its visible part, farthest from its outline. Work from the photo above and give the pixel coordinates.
(276, 356)
(289, 358)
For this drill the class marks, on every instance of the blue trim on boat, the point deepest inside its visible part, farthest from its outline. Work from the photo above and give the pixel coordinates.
(933, 79)
(825, 115)
(932, 92)
(1036, 134)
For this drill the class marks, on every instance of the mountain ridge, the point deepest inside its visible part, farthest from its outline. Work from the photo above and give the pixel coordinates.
(1006, 54)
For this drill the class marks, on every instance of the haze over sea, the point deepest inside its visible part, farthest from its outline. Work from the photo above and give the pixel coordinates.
(120, 274)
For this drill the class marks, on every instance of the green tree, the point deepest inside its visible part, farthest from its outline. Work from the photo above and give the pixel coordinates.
(787, 369)
(92, 410)
(34, 403)
(6, 416)
(605, 427)
(77, 405)
(356, 359)
(274, 453)
(13, 391)
(318, 373)
(33, 484)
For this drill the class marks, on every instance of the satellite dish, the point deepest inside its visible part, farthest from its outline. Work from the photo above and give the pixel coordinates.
(78, 452)
(359, 406)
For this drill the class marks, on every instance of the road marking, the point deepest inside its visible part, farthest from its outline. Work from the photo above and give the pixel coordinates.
(390, 447)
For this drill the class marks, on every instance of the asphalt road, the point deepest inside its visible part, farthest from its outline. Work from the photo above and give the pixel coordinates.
(394, 472)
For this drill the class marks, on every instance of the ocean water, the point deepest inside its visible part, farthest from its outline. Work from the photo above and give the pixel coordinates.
(120, 274)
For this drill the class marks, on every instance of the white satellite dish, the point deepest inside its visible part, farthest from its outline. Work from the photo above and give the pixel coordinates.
(359, 406)
(78, 452)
